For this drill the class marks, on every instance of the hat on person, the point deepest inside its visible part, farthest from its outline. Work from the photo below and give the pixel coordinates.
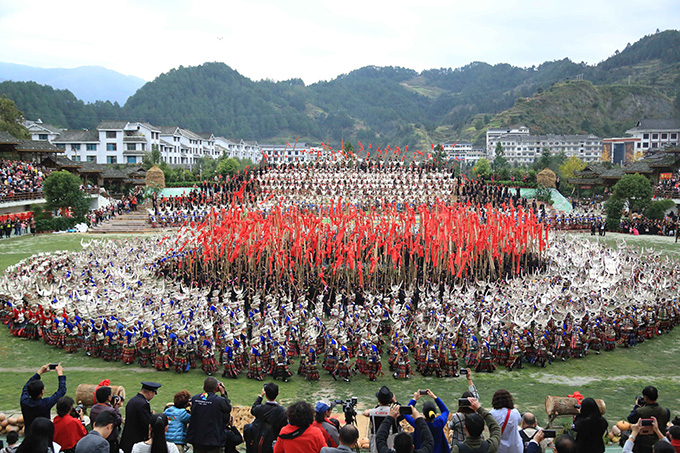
(322, 406)
(384, 394)
(151, 386)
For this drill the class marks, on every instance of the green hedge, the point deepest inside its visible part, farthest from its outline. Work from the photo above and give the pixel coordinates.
(522, 184)
(182, 184)
(56, 224)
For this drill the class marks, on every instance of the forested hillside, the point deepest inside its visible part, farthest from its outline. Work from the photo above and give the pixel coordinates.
(392, 105)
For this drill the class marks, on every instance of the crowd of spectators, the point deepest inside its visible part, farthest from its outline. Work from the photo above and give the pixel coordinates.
(641, 225)
(204, 421)
(668, 188)
(19, 178)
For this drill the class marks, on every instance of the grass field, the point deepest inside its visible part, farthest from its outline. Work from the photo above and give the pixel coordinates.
(616, 377)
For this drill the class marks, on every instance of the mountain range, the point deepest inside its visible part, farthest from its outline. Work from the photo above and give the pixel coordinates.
(392, 105)
(88, 83)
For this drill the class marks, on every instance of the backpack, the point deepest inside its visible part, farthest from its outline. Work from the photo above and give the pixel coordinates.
(526, 439)
(259, 436)
(464, 448)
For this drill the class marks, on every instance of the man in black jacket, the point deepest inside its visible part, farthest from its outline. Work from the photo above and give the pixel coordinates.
(33, 405)
(403, 443)
(137, 416)
(210, 415)
(270, 412)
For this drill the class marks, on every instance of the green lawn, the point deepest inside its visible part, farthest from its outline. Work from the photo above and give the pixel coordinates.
(616, 377)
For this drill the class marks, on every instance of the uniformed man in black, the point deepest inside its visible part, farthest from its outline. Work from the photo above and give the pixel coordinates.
(137, 416)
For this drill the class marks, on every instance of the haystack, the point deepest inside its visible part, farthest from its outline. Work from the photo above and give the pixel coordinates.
(546, 178)
(155, 177)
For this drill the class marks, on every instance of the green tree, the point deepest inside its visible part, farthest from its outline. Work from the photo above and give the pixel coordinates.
(439, 157)
(10, 119)
(613, 208)
(205, 168)
(479, 124)
(499, 161)
(227, 167)
(635, 190)
(482, 169)
(657, 209)
(62, 190)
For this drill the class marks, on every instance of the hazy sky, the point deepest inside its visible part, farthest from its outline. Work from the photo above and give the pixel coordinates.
(320, 39)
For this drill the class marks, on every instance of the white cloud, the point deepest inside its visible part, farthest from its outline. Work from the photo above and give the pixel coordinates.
(317, 40)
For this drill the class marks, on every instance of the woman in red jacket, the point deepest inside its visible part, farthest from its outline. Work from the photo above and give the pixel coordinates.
(299, 436)
(68, 430)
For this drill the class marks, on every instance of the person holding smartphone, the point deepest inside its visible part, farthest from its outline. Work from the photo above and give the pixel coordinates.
(434, 422)
(403, 442)
(33, 403)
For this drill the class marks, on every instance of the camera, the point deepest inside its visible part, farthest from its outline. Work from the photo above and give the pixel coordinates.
(115, 399)
(463, 402)
(463, 372)
(405, 410)
(348, 408)
(53, 366)
(549, 433)
(647, 422)
(422, 392)
(79, 408)
(640, 400)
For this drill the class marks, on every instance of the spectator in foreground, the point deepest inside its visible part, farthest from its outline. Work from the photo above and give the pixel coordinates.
(348, 437)
(403, 442)
(662, 446)
(33, 405)
(299, 436)
(647, 409)
(435, 422)
(270, 412)
(509, 419)
(178, 420)
(324, 424)
(673, 437)
(105, 403)
(565, 444)
(12, 445)
(137, 416)
(68, 425)
(457, 422)
(474, 425)
(95, 441)
(210, 415)
(530, 430)
(39, 437)
(156, 443)
(590, 427)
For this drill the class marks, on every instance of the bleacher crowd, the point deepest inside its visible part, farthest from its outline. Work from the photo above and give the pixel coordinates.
(19, 178)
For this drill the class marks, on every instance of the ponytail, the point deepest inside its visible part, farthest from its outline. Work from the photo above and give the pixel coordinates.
(158, 423)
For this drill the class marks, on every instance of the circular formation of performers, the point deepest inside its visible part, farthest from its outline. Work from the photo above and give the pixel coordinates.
(113, 301)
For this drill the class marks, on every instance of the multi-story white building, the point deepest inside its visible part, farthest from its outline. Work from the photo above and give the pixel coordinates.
(298, 153)
(113, 142)
(463, 151)
(493, 133)
(238, 149)
(525, 149)
(41, 131)
(656, 133)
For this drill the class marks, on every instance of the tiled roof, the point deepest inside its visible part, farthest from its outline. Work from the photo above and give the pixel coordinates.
(112, 173)
(90, 167)
(75, 136)
(6, 137)
(38, 146)
(638, 167)
(110, 125)
(168, 130)
(657, 124)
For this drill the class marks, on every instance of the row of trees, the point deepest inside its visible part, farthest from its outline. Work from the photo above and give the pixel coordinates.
(499, 169)
(205, 168)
